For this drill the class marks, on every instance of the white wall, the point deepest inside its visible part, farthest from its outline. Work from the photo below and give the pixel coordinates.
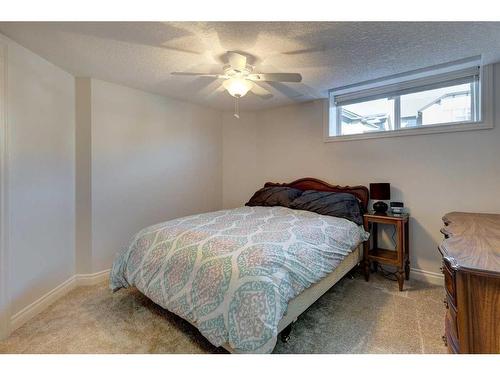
(432, 174)
(4, 256)
(153, 159)
(240, 168)
(40, 183)
(136, 158)
(83, 178)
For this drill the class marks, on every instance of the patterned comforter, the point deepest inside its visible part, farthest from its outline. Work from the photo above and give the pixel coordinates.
(231, 273)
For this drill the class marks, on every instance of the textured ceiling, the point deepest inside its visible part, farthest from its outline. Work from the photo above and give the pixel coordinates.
(142, 55)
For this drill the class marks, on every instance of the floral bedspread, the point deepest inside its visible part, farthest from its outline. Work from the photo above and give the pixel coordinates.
(231, 273)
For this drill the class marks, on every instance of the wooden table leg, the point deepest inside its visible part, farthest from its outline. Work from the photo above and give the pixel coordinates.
(400, 277)
(374, 232)
(407, 250)
(400, 248)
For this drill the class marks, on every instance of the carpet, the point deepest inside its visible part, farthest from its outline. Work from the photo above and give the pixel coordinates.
(352, 317)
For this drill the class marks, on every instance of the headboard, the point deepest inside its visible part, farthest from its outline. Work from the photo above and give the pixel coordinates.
(309, 183)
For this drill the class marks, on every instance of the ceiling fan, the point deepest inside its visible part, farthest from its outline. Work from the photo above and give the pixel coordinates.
(239, 78)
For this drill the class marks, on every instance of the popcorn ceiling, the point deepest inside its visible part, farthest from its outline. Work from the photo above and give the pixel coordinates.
(142, 55)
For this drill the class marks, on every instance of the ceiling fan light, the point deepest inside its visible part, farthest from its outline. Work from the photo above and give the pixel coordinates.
(237, 87)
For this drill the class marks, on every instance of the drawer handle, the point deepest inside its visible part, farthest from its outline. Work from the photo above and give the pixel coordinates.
(445, 301)
(445, 340)
(441, 269)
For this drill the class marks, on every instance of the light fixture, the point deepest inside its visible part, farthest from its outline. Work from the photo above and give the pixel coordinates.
(237, 87)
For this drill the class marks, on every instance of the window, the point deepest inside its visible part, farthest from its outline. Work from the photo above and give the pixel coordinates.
(445, 105)
(431, 100)
(369, 116)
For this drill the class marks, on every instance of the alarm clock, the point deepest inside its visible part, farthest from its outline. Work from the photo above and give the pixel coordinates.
(397, 207)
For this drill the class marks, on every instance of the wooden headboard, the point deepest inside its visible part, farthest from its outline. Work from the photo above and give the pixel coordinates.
(309, 183)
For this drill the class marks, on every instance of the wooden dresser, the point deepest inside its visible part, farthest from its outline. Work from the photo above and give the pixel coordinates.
(471, 267)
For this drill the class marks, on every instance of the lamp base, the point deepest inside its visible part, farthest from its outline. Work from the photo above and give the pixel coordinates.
(380, 207)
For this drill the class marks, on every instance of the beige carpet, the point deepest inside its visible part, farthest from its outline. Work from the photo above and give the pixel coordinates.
(352, 317)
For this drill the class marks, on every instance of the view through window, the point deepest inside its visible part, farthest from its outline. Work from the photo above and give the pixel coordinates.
(433, 101)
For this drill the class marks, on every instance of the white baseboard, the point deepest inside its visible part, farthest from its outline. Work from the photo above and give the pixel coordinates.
(92, 278)
(428, 277)
(30, 311)
(33, 309)
(433, 278)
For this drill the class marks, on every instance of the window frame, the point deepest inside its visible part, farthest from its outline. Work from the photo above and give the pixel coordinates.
(482, 119)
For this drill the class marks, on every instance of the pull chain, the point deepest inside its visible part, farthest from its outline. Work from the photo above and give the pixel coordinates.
(236, 107)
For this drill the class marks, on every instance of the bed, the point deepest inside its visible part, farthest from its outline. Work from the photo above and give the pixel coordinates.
(242, 276)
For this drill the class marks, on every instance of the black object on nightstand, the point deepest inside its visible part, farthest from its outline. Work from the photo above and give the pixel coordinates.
(400, 257)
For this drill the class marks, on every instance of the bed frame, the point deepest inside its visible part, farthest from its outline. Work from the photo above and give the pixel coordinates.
(310, 295)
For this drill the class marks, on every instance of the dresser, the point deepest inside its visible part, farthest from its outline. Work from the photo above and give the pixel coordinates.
(471, 267)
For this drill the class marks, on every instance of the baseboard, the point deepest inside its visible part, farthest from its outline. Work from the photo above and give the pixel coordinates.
(30, 311)
(33, 309)
(428, 277)
(92, 278)
(433, 278)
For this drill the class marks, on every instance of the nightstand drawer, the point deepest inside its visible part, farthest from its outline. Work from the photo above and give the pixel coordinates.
(449, 281)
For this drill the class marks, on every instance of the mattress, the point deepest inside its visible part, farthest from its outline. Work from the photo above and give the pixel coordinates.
(233, 273)
(305, 299)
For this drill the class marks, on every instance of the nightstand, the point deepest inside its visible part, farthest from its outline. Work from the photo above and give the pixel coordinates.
(399, 257)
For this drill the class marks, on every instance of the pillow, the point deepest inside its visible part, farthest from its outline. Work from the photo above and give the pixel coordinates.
(342, 205)
(274, 196)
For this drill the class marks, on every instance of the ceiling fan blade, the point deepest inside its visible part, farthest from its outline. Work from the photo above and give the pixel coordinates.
(217, 91)
(175, 49)
(304, 51)
(237, 61)
(197, 74)
(212, 89)
(261, 92)
(287, 90)
(275, 77)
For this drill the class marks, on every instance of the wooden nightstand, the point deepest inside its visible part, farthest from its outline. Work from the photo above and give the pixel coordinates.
(399, 257)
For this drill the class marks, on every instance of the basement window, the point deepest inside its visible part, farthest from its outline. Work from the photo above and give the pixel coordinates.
(449, 97)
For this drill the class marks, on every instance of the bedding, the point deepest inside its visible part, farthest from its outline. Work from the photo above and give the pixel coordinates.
(274, 196)
(231, 273)
(343, 205)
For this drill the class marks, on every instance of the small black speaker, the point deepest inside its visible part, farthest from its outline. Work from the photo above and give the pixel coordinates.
(380, 207)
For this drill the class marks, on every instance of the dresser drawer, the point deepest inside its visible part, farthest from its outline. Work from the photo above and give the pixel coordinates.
(451, 315)
(449, 281)
(451, 330)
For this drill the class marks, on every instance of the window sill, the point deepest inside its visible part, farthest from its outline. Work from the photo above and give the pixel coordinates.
(468, 126)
